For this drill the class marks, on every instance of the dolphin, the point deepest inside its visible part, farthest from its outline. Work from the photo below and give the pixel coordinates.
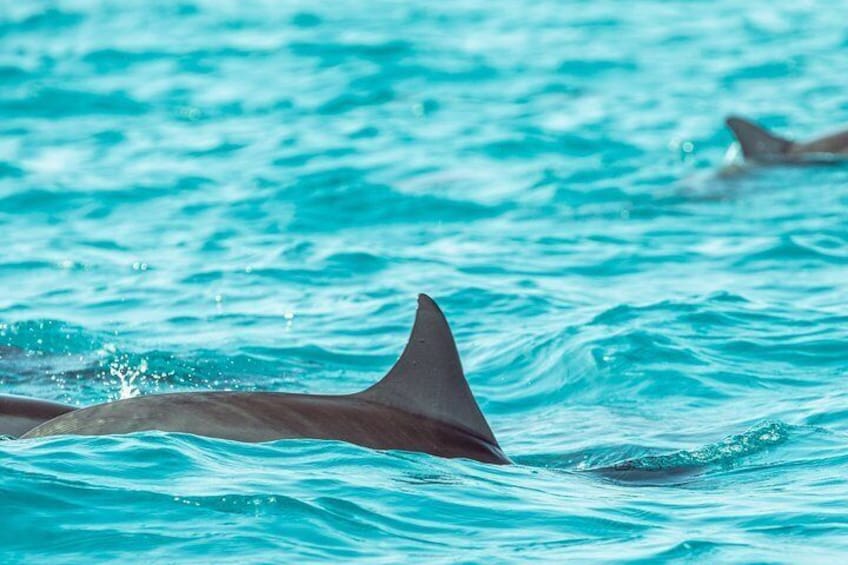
(761, 146)
(423, 404)
(19, 415)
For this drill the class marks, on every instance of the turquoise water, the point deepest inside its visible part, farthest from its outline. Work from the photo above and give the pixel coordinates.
(249, 195)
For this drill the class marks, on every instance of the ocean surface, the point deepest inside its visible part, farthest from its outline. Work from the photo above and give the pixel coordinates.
(237, 195)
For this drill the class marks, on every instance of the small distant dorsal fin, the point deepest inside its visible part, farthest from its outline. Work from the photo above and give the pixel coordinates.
(428, 380)
(757, 142)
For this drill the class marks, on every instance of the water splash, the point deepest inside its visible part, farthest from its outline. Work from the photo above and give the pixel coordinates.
(128, 376)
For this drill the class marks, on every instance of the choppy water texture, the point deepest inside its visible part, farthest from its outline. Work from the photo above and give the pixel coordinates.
(239, 195)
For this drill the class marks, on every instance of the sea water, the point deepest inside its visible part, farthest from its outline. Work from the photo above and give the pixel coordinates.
(237, 195)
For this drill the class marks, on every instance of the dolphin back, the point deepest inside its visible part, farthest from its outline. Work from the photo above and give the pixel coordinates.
(18, 415)
(758, 144)
(423, 404)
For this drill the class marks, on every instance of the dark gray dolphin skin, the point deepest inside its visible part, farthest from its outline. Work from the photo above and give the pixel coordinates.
(631, 472)
(423, 404)
(19, 415)
(761, 146)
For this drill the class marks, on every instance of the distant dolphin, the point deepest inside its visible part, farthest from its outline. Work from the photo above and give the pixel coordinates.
(761, 146)
(423, 404)
(19, 415)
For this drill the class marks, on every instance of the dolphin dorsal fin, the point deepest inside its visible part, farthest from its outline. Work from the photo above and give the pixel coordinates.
(428, 380)
(756, 142)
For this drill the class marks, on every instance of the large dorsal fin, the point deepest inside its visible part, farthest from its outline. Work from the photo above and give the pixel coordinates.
(757, 142)
(428, 380)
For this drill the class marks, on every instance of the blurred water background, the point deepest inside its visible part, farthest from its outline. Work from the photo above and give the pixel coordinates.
(249, 195)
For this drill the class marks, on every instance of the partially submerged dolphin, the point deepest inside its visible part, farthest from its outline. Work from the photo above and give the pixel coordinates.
(422, 404)
(19, 415)
(761, 146)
